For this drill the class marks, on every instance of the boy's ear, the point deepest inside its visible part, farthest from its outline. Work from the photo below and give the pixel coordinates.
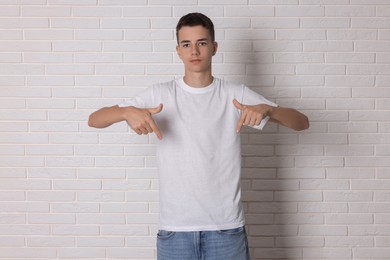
(215, 47)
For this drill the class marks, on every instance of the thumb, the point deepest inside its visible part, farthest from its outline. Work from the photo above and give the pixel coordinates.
(238, 105)
(155, 110)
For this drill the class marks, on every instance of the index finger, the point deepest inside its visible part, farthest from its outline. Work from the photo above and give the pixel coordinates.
(155, 129)
(241, 122)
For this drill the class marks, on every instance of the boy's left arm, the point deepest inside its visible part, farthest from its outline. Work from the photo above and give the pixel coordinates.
(252, 115)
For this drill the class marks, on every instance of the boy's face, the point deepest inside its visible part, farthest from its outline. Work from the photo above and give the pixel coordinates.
(195, 48)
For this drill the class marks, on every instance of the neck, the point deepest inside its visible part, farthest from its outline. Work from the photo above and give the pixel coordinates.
(198, 80)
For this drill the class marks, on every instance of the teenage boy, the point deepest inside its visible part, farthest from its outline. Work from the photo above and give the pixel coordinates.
(197, 120)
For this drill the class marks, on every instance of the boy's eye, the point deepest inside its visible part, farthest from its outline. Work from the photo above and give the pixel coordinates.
(202, 43)
(186, 45)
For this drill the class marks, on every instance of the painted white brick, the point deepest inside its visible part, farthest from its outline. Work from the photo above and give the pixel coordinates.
(275, 23)
(370, 23)
(349, 241)
(350, 11)
(34, 11)
(51, 219)
(250, 11)
(350, 58)
(273, 2)
(74, 23)
(10, 58)
(324, 2)
(52, 241)
(14, 252)
(100, 242)
(12, 241)
(9, 11)
(352, 81)
(327, 253)
(319, 69)
(328, 23)
(352, 34)
(299, 242)
(90, 218)
(24, 23)
(96, 11)
(300, 11)
(48, 34)
(11, 34)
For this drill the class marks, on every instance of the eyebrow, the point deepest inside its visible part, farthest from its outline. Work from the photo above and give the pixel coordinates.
(200, 40)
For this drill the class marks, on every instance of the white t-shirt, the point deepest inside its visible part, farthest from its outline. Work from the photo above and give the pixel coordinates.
(199, 157)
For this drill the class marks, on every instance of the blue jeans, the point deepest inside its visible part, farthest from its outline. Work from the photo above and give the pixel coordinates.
(229, 244)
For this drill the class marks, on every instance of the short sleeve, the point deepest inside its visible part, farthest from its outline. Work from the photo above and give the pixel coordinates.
(143, 99)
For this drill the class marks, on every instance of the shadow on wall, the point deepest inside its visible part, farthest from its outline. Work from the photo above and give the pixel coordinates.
(271, 219)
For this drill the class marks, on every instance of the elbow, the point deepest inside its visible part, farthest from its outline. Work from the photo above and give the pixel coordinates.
(92, 121)
(304, 124)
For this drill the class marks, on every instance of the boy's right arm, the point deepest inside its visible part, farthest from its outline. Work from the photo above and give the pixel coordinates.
(139, 119)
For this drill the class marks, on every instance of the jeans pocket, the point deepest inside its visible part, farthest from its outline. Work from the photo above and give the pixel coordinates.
(163, 234)
(233, 231)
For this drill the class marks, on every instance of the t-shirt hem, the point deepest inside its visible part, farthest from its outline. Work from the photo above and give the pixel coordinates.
(201, 228)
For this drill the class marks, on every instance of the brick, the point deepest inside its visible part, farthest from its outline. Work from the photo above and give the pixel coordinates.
(242, 11)
(77, 46)
(300, 11)
(125, 23)
(327, 253)
(74, 208)
(273, 23)
(370, 23)
(350, 11)
(319, 69)
(106, 196)
(72, 2)
(349, 150)
(48, 34)
(100, 242)
(328, 230)
(91, 218)
(350, 58)
(375, 253)
(8, 34)
(12, 241)
(23, 23)
(350, 104)
(12, 252)
(328, 23)
(47, 58)
(10, 58)
(349, 241)
(352, 34)
(353, 81)
(74, 23)
(82, 252)
(324, 2)
(33, 11)
(51, 219)
(9, 11)
(89, 11)
(296, 242)
(52, 241)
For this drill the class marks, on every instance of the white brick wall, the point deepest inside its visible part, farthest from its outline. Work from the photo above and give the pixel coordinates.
(71, 192)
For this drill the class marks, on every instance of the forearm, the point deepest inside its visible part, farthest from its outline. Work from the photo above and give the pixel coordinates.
(289, 117)
(106, 116)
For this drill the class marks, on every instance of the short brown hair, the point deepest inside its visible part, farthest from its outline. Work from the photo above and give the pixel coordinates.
(194, 19)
